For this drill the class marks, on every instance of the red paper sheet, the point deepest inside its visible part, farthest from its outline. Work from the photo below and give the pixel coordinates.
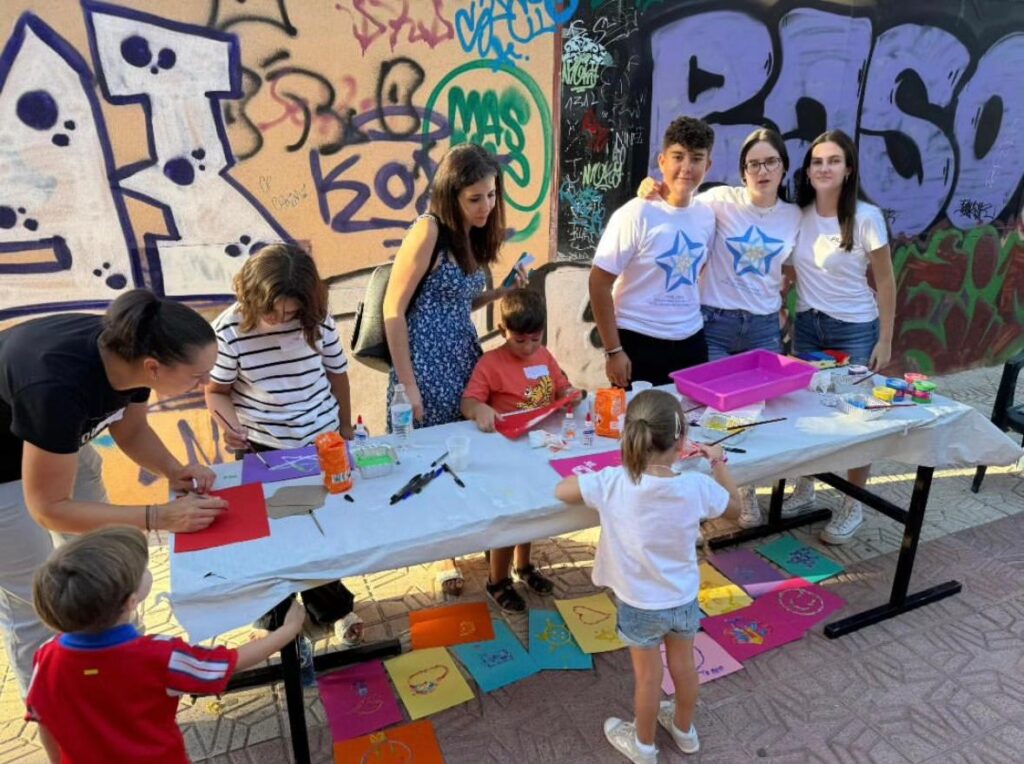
(451, 625)
(245, 519)
(517, 424)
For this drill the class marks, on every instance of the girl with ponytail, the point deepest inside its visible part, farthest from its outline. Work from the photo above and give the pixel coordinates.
(650, 520)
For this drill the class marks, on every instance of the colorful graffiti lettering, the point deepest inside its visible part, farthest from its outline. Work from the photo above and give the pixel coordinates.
(498, 29)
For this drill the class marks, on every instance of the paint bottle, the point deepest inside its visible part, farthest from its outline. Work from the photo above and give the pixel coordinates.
(588, 431)
(334, 462)
(899, 386)
(361, 434)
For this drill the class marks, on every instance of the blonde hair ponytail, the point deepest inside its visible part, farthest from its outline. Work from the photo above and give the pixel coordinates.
(654, 423)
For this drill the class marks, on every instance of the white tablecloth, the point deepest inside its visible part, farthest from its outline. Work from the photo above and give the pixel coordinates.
(509, 498)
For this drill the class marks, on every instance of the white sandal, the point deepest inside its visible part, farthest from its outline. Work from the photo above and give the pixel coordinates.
(452, 574)
(349, 630)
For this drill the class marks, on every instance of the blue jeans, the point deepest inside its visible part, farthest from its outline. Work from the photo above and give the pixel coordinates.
(732, 331)
(817, 331)
(647, 628)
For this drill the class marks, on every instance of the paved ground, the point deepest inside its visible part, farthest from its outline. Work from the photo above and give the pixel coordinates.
(941, 684)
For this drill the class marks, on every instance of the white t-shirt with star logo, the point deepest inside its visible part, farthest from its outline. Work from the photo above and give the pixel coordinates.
(751, 243)
(657, 252)
(830, 279)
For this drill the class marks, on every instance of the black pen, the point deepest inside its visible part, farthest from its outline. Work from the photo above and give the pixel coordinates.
(441, 458)
(455, 477)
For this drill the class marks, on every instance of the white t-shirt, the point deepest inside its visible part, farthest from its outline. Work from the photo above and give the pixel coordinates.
(830, 279)
(647, 553)
(657, 252)
(751, 243)
(279, 384)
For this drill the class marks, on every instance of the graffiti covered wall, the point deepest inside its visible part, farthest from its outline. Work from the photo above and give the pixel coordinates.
(931, 92)
(159, 144)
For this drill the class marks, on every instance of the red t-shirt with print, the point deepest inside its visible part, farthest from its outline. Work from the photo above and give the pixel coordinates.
(507, 383)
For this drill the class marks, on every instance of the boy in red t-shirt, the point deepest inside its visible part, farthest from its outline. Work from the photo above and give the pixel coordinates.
(519, 375)
(100, 691)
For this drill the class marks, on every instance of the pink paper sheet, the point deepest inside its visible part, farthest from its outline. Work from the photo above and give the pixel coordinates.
(711, 660)
(800, 603)
(358, 700)
(580, 465)
(751, 631)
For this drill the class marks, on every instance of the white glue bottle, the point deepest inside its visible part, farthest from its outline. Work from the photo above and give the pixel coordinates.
(588, 431)
(569, 426)
(360, 433)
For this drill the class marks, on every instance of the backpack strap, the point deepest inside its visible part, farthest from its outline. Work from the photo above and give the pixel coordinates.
(442, 238)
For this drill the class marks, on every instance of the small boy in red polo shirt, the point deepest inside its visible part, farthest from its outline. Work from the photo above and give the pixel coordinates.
(520, 375)
(100, 691)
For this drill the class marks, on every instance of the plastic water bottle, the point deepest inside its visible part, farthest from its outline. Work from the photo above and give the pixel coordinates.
(360, 432)
(588, 431)
(306, 667)
(401, 415)
(569, 426)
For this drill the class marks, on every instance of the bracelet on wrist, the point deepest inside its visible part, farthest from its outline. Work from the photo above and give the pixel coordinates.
(613, 351)
(723, 459)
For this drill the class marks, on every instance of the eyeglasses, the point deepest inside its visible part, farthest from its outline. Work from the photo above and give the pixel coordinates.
(771, 164)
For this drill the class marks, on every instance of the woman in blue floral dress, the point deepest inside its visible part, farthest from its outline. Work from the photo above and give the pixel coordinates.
(433, 341)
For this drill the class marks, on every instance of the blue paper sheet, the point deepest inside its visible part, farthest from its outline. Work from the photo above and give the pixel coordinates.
(552, 645)
(498, 662)
(800, 560)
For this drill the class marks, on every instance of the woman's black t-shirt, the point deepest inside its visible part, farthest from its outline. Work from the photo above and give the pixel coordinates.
(54, 392)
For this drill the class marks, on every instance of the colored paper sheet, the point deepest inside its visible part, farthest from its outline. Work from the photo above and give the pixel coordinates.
(718, 594)
(799, 559)
(799, 602)
(749, 632)
(450, 625)
(358, 700)
(710, 658)
(581, 465)
(592, 621)
(245, 519)
(497, 663)
(517, 424)
(409, 743)
(552, 645)
(427, 681)
(286, 464)
(743, 567)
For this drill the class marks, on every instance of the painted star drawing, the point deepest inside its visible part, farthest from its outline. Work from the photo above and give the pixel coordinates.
(754, 251)
(682, 262)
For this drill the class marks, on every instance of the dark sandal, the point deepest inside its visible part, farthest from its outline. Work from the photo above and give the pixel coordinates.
(504, 595)
(533, 579)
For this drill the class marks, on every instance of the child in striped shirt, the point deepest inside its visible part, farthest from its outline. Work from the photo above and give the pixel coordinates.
(280, 380)
(100, 691)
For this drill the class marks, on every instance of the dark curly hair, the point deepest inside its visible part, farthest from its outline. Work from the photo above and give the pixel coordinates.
(690, 133)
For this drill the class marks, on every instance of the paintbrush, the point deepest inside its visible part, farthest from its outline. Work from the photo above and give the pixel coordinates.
(694, 408)
(318, 527)
(730, 435)
(252, 450)
(890, 406)
(869, 375)
(755, 424)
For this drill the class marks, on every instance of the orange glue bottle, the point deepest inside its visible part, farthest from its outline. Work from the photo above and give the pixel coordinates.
(333, 453)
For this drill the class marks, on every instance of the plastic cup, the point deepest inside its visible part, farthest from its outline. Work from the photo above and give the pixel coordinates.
(458, 452)
(638, 386)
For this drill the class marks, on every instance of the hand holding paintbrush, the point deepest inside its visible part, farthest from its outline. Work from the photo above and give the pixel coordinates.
(236, 438)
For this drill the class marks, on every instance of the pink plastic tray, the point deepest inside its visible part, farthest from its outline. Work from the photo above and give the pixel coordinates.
(739, 380)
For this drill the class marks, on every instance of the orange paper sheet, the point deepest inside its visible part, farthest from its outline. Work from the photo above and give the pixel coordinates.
(414, 742)
(451, 625)
(245, 519)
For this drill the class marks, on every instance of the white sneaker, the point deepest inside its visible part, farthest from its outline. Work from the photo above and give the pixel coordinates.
(622, 736)
(688, 742)
(750, 512)
(801, 499)
(844, 523)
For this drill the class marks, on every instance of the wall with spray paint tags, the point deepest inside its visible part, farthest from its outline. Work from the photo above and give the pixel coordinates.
(930, 91)
(159, 144)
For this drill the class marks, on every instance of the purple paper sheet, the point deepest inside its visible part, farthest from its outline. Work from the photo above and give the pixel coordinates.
(748, 570)
(287, 464)
(358, 700)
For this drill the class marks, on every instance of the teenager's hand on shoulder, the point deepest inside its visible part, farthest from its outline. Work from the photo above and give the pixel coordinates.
(412, 392)
(181, 480)
(880, 356)
(484, 418)
(649, 189)
(192, 512)
(619, 369)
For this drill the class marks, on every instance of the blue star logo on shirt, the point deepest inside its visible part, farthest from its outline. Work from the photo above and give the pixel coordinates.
(754, 251)
(681, 262)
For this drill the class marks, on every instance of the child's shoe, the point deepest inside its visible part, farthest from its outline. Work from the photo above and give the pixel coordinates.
(687, 741)
(801, 499)
(504, 595)
(534, 580)
(844, 523)
(750, 511)
(622, 736)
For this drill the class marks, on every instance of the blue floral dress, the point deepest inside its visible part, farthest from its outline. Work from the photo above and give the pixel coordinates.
(443, 341)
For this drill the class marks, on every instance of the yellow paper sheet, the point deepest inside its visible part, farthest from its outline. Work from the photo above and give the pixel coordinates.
(718, 594)
(592, 621)
(427, 681)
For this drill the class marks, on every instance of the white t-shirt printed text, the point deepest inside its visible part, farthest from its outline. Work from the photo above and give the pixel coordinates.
(830, 279)
(647, 553)
(744, 270)
(657, 252)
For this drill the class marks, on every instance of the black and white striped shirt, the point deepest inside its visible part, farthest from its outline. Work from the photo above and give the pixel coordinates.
(279, 384)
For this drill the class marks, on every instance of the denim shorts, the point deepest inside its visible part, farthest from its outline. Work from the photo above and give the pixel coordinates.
(647, 628)
(733, 331)
(819, 331)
